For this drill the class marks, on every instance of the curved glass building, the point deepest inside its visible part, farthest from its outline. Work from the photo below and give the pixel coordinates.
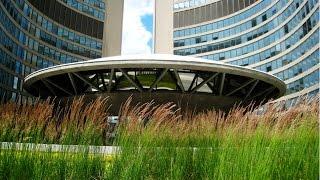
(280, 37)
(37, 34)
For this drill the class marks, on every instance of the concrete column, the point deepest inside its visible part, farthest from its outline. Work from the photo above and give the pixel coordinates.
(163, 27)
(112, 35)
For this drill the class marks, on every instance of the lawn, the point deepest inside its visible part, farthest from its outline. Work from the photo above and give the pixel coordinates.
(147, 80)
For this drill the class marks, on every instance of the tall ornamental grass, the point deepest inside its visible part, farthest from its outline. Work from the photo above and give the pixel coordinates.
(158, 142)
(48, 122)
(161, 142)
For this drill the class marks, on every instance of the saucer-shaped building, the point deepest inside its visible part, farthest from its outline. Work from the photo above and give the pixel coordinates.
(191, 83)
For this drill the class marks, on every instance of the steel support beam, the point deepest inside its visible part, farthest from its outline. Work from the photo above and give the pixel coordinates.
(87, 81)
(204, 82)
(131, 80)
(49, 87)
(175, 71)
(262, 92)
(59, 87)
(158, 79)
(244, 85)
(222, 84)
(209, 85)
(72, 83)
(110, 80)
(193, 81)
(268, 92)
(251, 89)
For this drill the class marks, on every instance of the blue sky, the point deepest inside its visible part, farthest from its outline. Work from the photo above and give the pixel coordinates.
(147, 21)
(137, 27)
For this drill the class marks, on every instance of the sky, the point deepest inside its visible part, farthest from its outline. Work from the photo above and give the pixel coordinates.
(137, 27)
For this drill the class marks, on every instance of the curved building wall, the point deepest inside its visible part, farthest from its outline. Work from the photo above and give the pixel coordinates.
(198, 11)
(276, 36)
(38, 34)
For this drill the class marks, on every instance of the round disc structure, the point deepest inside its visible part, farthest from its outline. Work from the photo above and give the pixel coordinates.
(191, 83)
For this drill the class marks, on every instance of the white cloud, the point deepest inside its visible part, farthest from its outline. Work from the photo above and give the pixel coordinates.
(135, 35)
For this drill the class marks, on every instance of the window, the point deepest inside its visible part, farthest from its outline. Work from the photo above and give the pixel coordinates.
(253, 22)
(198, 40)
(286, 29)
(264, 17)
(203, 39)
(269, 69)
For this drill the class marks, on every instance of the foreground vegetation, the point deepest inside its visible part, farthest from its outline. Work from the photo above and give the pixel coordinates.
(158, 142)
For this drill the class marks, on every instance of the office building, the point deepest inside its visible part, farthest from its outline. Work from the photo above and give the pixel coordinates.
(280, 37)
(36, 34)
(194, 83)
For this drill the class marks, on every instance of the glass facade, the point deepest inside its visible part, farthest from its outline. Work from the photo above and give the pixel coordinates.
(93, 8)
(189, 4)
(279, 37)
(31, 39)
(225, 22)
(207, 10)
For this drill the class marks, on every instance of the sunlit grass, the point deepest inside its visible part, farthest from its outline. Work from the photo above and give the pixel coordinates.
(26, 164)
(159, 142)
